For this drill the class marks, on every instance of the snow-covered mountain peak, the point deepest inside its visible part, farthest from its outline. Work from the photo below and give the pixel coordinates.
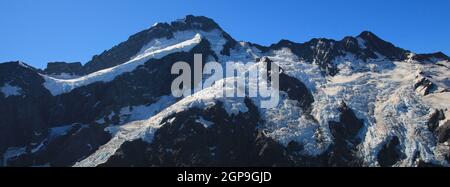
(196, 23)
(126, 50)
(359, 101)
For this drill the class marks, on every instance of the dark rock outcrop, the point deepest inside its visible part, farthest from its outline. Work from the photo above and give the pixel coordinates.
(58, 68)
(390, 153)
(295, 89)
(63, 150)
(345, 134)
(433, 122)
(443, 132)
(431, 57)
(424, 85)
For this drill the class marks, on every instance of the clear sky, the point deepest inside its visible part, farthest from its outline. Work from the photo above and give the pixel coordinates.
(39, 31)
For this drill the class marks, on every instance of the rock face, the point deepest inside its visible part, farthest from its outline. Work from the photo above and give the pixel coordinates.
(345, 134)
(432, 57)
(295, 89)
(22, 116)
(390, 153)
(424, 86)
(443, 132)
(435, 118)
(62, 150)
(58, 68)
(375, 44)
(311, 126)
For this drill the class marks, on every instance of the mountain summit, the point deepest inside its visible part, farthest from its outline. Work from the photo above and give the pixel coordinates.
(125, 50)
(359, 101)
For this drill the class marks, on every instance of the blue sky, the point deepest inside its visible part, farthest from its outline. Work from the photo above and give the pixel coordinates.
(74, 30)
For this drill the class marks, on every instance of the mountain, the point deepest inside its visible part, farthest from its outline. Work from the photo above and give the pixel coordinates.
(359, 101)
(126, 50)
